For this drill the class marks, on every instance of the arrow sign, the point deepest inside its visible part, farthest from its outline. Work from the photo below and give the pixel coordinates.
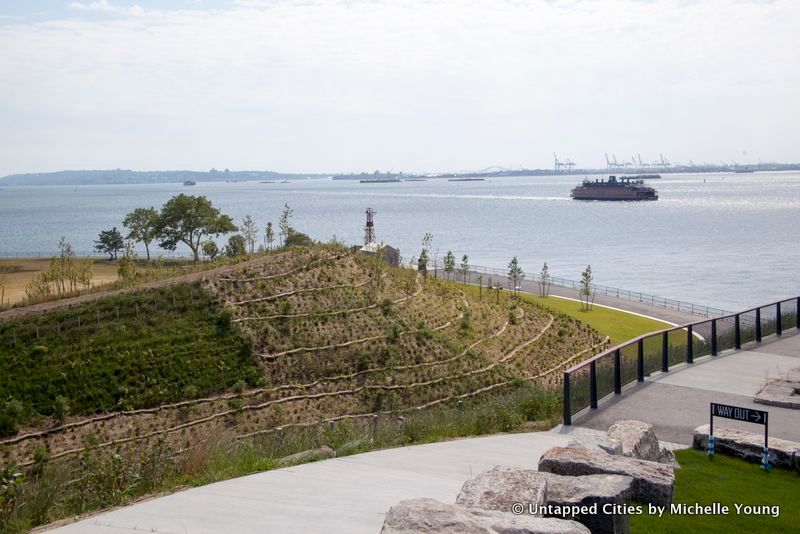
(738, 413)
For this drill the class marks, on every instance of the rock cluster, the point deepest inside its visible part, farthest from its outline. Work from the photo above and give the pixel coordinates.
(749, 446)
(783, 391)
(585, 487)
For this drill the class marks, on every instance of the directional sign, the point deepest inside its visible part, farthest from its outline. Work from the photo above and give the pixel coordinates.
(740, 414)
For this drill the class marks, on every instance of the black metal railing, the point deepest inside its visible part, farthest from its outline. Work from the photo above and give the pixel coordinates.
(610, 370)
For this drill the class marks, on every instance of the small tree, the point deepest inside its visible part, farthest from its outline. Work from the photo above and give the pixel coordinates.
(237, 246)
(586, 291)
(449, 263)
(249, 232)
(210, 249)
(142, 225)
(544, 281)
(297, 239)
(465, 269)
(109, 242)
(515, 275)
(188, 219)
(422, 262)
(479, 278)
(127, 265)
(269, 236)
(285, 223)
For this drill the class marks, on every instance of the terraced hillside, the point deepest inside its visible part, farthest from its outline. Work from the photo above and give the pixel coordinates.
(299, 338)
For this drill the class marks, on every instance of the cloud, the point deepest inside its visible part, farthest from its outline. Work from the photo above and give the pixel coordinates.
(425, 85)
(104, 6)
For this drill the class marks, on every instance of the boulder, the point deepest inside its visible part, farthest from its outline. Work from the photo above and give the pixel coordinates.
(588, 490)
(501, 487)
(666, 456)
(783, 391)
(421, 516)
(747, 445)
(599, 442)
(652, 482)
(638, 439)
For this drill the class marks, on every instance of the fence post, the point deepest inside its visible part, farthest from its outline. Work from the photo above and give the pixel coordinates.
(778, 325)
(617, 372)
(713, 337)
(758, 325)
(665, 352)
(689, 345)
(737, 333)
(593, 385)
(640, 361)
(797, 313)
(567, 401)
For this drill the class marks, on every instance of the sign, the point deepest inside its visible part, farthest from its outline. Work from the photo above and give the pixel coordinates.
(738, 413)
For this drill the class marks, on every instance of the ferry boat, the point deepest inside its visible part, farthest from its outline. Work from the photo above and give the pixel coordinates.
(614, 189)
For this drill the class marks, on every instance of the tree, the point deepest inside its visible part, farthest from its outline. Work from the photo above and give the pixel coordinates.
(127, 265)
(297, 239)
(544, 281)
(465, 269)
(449, 263)
(188, 219)
(210, 249)
(586, 291)
(515, 275)
(269, 235)
(422, 262)
(285, 223)
(249, 232)
(142, 225)
(237, 246)
(109, 242)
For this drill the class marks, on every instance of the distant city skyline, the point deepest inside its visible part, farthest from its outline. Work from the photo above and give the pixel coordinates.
(354, 86)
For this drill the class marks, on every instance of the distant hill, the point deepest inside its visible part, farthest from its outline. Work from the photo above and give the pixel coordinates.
(125, 176)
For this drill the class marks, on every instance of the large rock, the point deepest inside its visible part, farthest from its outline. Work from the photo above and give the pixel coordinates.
(652, 481)
(588, 490)
(600, 442)
(783, 391)
(667, 456)
(501, 487)
(421, 516)
(748, 445)
(638, 439)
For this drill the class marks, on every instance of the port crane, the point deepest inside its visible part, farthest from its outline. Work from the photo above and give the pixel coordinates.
(563, 166)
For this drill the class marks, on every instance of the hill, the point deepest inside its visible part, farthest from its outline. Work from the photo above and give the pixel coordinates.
(294, 339)
(124, 176)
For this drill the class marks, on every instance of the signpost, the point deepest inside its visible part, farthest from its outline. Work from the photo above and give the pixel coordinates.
(737, 413)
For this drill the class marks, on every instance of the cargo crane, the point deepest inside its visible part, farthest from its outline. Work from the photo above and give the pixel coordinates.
(563, 166)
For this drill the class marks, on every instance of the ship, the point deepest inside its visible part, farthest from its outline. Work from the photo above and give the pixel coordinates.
(189, 182)
(613, 189)
(380, 181)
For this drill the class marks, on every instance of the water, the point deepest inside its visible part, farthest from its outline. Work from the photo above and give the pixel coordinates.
(723, 240)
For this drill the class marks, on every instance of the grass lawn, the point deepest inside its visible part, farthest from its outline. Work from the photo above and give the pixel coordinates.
(618, 325)
(727, 481)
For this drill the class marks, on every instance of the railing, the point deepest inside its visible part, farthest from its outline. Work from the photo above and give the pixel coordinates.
(638, 296)
(632, 361)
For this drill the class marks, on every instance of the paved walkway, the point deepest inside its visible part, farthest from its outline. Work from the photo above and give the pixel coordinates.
(677, 402)
(348, 495)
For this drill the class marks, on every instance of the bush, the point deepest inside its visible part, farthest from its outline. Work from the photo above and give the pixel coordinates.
(60, 408)
(237, 246)
(297, 239)
(12, 414)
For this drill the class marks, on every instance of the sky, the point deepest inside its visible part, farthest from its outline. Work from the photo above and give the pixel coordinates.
(402, 85)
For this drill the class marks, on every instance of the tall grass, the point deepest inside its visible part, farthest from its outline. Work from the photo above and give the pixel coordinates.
(101, 478)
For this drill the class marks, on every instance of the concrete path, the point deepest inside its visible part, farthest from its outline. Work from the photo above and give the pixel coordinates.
(347, 495)
(677, 402)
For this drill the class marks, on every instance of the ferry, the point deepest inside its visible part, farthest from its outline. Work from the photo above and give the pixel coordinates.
(614, 189)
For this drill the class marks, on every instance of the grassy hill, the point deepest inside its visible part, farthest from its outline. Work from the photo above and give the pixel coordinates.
(300, 348)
